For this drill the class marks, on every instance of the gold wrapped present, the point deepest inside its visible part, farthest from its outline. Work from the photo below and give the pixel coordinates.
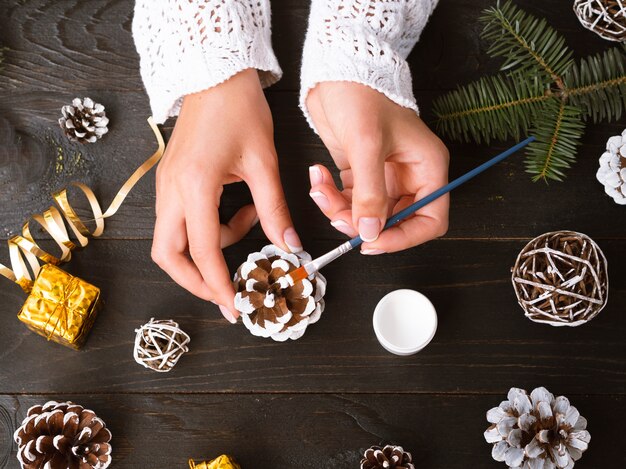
(222, 462)
(60, 307)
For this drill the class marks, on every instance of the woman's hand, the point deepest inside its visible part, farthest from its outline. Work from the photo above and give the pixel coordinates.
(223, 135)
(388, 159)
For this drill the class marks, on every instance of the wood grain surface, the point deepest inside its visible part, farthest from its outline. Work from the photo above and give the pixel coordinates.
(320, 401)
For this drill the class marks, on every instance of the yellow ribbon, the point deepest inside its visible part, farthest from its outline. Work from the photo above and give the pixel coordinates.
(23, 248)
(222, 462)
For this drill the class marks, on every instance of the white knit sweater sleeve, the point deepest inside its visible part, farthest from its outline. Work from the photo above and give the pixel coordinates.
(186, 46)
(364, 41)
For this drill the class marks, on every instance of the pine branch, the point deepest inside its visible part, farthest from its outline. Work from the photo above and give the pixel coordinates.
(491, 108)
(526, 42)
(598, 85)
(558, 129)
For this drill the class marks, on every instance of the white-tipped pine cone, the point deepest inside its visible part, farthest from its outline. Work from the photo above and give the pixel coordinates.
(269, 305)
(62, 435)
(84, 121)
(612, 171)
(537, 432)
(389, 457)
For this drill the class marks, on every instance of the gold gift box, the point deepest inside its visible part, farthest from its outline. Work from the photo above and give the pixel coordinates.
(222, 462)
(61, 307)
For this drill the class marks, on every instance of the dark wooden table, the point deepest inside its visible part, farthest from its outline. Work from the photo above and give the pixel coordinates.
(320, 401)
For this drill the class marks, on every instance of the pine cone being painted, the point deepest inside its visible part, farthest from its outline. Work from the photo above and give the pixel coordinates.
(389, 457)
(539, 431)
(62, 435)
(269, 305)
(84, 121)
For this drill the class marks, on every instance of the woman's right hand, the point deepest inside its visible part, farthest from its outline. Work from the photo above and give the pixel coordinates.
(222, 135)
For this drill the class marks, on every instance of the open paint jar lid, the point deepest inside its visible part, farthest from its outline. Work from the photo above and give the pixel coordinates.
(405, 321)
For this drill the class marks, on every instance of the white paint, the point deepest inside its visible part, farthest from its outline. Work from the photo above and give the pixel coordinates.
(269, 300)
(405, 321)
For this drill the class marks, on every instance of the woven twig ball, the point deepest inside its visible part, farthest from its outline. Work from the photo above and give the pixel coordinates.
(561, 278)
(159, 344)
(606, 18)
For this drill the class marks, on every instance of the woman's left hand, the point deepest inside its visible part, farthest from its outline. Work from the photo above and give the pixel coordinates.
(388, 159)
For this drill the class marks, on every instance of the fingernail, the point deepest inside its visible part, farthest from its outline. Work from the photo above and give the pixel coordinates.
(343, 227)
(292, 240)
(227, 314)
(372, 252)
(255, 221)
(320, 199)
(316, 175)
(369, 229)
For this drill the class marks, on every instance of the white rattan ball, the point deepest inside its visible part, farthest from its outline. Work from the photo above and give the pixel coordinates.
(159, 344)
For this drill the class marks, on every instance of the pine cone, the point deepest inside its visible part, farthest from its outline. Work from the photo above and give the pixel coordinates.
(389, 457)
(269, 305)
(539, 431)
(612, 170)
(84, 121)
(63, 435)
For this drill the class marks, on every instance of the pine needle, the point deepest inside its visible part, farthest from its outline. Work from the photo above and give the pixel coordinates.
(540, 90)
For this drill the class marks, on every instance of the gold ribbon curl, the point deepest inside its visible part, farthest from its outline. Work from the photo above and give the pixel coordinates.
(23, 248)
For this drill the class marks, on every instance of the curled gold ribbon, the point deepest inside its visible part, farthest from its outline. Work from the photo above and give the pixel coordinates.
(23, 248)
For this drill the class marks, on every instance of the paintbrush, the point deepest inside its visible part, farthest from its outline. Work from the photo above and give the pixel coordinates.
(316, 264)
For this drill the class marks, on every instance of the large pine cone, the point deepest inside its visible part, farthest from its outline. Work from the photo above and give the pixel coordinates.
(389, 457)
(537, 431)
(63, 435)
(269, 305)
(84, 121)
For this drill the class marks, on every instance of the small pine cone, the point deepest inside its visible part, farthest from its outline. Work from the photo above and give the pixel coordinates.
(537, 431)
(62, 435)
(84, 121)
(389, 457)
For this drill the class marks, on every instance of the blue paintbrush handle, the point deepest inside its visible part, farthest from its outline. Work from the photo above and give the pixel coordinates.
(411, 209)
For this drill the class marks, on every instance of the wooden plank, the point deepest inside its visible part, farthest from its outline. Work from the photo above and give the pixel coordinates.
(73, 46)
(501, 203)
(483, 344)
(310, 431)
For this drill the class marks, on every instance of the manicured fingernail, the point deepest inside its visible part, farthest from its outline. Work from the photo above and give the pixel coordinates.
(227, 314)
(343, 227)
(316, 176)
(372, 252)
(369, 229)
(292, 240)
(320, 199)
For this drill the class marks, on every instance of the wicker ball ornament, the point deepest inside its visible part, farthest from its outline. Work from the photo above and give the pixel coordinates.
(62, 435)
(561, 278)
(606, 18)
(159, 344)
(536, 431)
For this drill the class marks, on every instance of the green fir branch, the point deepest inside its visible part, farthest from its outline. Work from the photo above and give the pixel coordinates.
(490, 108)
(598, 85)
(542, 92)
(524, 41)
(557, 130)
